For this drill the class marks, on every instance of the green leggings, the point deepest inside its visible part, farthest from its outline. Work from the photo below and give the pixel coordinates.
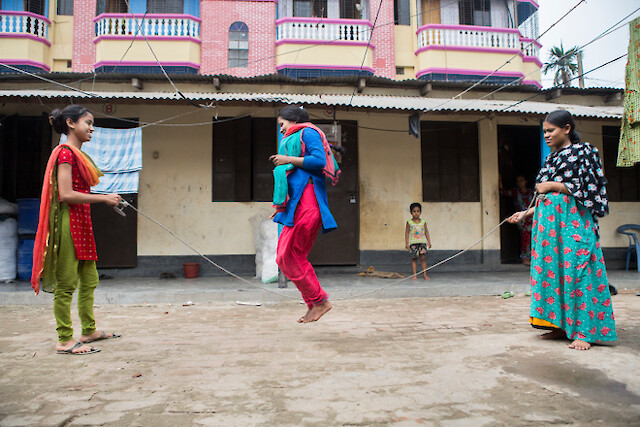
(71, 274)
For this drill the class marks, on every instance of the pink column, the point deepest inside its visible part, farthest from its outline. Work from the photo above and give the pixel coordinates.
(384, 59)
(217, 16)
(84, 51)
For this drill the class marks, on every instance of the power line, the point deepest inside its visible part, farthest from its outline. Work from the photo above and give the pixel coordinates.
(366, 50)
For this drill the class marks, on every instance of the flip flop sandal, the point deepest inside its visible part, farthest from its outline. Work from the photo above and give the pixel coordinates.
(77, 345)
(103, 336)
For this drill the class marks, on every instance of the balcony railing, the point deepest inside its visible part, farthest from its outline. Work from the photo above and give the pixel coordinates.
(339, 30)
(110, 24)
(15, 22)
(468, 36)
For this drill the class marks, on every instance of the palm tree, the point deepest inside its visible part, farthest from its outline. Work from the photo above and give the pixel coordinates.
(564, 64)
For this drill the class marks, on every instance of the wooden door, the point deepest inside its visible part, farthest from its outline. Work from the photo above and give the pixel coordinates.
(116, 236)
(341, 246)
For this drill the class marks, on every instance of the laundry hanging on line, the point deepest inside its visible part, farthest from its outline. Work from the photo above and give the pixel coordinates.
(118, 154)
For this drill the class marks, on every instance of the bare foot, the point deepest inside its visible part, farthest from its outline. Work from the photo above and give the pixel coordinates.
(316, 312)
(301, 320)
(426, 277)
(414, 277)
(526, 262)
(72, 346)
(580, 345)
(556, 334)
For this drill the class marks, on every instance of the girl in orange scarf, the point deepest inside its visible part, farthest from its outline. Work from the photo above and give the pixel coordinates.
(64, 255)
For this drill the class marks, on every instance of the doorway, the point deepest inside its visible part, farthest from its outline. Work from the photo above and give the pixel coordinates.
(341, 246)
(518, 154)
(116, 236)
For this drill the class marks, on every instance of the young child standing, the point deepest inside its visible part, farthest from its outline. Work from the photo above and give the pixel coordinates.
(417, 239)
(64, 253)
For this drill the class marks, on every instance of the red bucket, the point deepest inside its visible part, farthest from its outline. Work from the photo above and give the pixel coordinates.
(191, 270)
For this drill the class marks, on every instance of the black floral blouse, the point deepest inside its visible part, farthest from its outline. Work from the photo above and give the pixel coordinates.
(579, 168)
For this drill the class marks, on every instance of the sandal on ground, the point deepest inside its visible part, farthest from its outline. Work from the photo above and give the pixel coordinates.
(103, 336)
(78, 345)
(507, 294)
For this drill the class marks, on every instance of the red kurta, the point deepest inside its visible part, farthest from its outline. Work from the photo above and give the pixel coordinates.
(79, 214)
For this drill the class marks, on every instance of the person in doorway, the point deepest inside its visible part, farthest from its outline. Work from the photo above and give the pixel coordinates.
(569, 289)
(64, 255)
(300, 196)
(417, 239)
(522, 197)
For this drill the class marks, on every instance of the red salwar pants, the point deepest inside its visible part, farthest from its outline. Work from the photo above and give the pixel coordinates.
(294, 245)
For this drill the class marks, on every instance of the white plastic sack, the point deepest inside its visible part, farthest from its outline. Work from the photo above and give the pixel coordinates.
(8, 207)
(269, 242)
(8, 249)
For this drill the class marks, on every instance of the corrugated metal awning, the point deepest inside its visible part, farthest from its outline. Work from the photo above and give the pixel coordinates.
(401, 103)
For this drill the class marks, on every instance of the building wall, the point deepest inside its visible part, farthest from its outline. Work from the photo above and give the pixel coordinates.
(217, 17)
(384, 60)
(167, 51)
(330, 56)
(84, 51)
(61, 41)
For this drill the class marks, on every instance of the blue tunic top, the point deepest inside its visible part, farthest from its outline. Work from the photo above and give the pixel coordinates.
(312, 166)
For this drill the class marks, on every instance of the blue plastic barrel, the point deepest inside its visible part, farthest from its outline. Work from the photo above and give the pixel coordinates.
(25, 259)
(28, 212)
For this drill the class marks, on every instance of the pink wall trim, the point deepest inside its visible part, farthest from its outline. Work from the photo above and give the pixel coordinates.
(532, 82)
(468, 72)
(326, 21)
(533, 3)
(324, 67)
(527, 40)
(468, 28)
(25, 62)
(19, 13)
(324, 42)
(467, 49)
(25, 36)
(148, 15)
(533, 59)
(147, 64)
(274, 1)
(150, 38)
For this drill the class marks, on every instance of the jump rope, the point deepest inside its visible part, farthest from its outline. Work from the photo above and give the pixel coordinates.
(124, 204)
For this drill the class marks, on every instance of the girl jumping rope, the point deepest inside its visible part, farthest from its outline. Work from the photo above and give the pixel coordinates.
(300, 197)
(64, 254)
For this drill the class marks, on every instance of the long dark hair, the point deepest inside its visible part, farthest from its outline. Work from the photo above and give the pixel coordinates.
(58, 118)
(561, 118)
(294, 113)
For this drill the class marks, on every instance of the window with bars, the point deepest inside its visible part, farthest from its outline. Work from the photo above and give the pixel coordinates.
(401, 12)
(351, 9)
(475, 12)
(65, 7)
(623, 183)
(238, 45)
(450, 162)
(111, 6)
(165, 6)
(310, 8)
(34, 6)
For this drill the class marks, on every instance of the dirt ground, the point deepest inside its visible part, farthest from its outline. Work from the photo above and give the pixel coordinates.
(464, 361)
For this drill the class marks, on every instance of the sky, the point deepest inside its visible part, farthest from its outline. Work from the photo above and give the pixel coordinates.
(582, 25)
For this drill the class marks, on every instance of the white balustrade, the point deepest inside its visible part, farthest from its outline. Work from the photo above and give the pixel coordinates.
(24, 23)
(167, 26)
(472, 37)
(325, 31)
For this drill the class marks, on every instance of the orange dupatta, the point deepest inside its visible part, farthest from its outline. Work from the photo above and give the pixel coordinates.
(43, 241)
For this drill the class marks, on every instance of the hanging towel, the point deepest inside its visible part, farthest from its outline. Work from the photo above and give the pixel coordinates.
(629, 147)
(118, 154)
